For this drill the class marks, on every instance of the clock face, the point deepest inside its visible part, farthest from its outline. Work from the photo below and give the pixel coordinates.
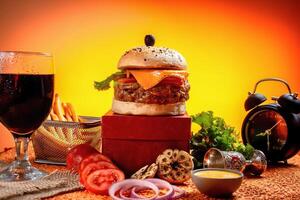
(267, 130)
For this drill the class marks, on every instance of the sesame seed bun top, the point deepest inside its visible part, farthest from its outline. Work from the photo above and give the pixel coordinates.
(151, 57)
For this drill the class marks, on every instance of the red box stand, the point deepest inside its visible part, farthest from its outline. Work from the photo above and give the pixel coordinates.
(135, 141)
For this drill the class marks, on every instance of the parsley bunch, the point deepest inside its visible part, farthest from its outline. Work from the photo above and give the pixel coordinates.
(214, 132)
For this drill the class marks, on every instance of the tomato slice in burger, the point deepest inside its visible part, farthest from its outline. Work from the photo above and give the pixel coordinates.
(89, 168)
(92, 159)
(173, 80)
(99, 181)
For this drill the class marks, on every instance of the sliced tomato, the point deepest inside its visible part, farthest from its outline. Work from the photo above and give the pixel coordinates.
(92, 159)
(127, 80)
(99, 181)
(89, 168)
(77, 154)
(174, 80)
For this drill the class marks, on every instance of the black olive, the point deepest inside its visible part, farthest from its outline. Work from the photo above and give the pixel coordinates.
(149, 40)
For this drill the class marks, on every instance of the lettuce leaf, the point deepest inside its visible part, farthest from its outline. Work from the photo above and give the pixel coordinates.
(105, 84)
(214, 132)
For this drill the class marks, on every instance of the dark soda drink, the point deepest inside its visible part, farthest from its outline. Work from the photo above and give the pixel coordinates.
(25, 101)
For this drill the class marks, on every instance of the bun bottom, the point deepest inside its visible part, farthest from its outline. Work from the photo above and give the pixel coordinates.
(132, 108)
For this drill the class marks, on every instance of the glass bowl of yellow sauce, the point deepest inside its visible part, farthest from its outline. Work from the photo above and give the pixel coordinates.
(217, 182)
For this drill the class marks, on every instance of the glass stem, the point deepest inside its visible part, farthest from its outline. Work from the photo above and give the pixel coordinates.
(21, 148)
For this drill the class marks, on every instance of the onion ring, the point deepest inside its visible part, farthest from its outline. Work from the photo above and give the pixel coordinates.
(129, 183)
(137, 197)
(161, 184)
(178, 192)
(154, 184)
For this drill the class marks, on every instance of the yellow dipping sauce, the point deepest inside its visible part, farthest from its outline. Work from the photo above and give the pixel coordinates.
(217, 174)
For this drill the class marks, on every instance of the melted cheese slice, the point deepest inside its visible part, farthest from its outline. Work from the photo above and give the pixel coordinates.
(149, 78)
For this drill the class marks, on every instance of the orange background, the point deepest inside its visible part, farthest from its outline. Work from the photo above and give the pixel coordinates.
(229, 45)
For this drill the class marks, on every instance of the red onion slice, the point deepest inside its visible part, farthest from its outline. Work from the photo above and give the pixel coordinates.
(124, 185)
(123, 190)
(134, 185)
(178, 193)
(161, 184)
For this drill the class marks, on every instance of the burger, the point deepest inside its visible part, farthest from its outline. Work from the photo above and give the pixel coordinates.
(151, 81)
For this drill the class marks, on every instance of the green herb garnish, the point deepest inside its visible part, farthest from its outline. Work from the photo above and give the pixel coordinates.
(214, 132)
(105, 84)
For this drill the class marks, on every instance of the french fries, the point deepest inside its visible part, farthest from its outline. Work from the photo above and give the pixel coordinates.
(65, 112)
(53, 116)
(72, 112)
(58, 109)
(53, 140)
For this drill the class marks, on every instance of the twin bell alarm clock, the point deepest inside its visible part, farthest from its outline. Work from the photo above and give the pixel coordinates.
(273, 128)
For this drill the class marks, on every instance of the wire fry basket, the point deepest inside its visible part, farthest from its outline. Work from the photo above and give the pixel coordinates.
(53, 140)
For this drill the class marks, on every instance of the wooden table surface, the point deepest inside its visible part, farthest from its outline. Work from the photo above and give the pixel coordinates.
(278, 182)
